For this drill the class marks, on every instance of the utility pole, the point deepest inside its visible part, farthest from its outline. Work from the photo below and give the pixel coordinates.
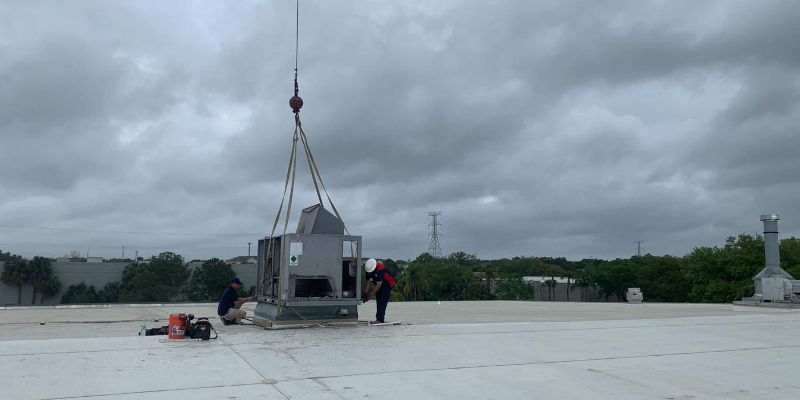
(434, 249)
(123, 252)
(639, 244)
(248, 249)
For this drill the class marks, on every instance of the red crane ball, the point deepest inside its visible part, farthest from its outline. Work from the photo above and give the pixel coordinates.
(296, 103)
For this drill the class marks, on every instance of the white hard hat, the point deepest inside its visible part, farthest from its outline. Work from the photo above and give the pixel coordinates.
(370, 265)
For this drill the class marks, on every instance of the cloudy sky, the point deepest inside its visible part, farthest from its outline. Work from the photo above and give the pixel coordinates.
(537, 128)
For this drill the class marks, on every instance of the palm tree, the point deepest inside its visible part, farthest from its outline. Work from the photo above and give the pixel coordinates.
(14, 273)
(490, 275)
(552, 271)
(413, 283)
(582, 278)
(50, 287)
(568, 275)
(551, 286)
(39, 270)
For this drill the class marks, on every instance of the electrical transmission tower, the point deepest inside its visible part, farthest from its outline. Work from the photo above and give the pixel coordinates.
(435, 249)
(639, 244)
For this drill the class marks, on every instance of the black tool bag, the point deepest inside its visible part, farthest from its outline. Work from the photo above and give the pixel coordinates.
(157, 331)
(202, 330)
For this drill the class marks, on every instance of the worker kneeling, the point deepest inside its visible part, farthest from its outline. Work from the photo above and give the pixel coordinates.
(230, 304)
(384, 282)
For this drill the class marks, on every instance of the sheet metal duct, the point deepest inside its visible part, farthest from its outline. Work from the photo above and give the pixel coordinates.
(773, 284)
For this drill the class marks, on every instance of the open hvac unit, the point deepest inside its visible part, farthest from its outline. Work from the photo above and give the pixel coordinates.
(310, 275)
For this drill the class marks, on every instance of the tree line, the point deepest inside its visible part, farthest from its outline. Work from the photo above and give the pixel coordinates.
(37, 272)
(163, 278)
(705, 275)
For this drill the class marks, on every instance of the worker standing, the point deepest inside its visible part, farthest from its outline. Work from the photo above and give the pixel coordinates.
(384, 282)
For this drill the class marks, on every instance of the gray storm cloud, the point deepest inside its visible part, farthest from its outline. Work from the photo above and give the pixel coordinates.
(537, 128)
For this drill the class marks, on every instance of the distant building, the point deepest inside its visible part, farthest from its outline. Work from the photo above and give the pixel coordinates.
(94, 259)
(242, 260)
(563, 290)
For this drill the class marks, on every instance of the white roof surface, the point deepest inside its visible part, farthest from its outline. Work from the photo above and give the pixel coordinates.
(452, 350)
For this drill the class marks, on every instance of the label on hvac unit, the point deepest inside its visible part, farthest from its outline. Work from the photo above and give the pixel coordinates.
(296, 248)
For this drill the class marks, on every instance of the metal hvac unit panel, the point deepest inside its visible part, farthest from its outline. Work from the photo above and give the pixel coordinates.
(773, 289)
(268, 269)
(317, 220)
(315, 268)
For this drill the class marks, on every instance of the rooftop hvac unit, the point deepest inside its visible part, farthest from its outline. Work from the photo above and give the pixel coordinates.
(310, 275)
(634, 295)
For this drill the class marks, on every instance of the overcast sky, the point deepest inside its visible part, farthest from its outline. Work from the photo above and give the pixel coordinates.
(537, 128)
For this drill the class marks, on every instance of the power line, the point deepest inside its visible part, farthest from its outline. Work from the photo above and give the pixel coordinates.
(638, 244)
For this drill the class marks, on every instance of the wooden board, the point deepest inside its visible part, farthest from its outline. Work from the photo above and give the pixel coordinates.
(385, 323)
(270, 324)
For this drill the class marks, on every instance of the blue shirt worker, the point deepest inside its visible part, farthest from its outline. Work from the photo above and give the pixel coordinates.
(384, 282)
(230, 304)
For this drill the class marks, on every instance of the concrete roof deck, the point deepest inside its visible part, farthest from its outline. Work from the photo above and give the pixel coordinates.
(508, 350)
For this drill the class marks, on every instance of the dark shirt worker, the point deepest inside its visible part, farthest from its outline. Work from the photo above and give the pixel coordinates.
(230, 304)
(384, 282)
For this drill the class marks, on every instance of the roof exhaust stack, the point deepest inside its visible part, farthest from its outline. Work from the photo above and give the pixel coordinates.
(771, 246)
(773, 284)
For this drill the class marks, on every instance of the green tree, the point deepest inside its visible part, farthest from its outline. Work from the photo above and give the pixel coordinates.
(569, 275)
(515, 288)
(209, 280)
(552, 271)
(463, 259)
(551, 285)
(15, 273)
(158, 280)
(662, 279)
(615, 277)
(721, 275)
(583, 279)
(394, 296)
(490, 274)
(109, 293)
(39, 271)
(414, 283)
(392, 267)
(50, 287)
(80, 293)
(790, 256)
(519, 266)
(7, 256)
(452, 282)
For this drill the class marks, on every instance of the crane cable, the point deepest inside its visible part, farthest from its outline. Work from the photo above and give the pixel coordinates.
(296, 103)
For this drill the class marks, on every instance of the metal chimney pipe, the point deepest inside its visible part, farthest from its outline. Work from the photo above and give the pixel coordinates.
(771, 250)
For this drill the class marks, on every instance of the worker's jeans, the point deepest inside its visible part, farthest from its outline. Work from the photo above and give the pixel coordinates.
(383, 301)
